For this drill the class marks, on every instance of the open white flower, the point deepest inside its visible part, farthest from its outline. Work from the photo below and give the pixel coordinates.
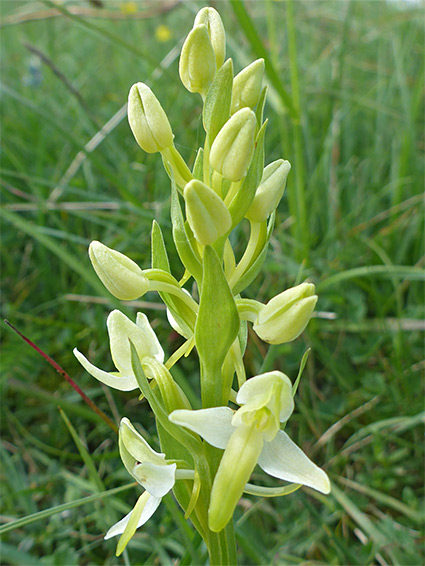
(151, 470)
(121, 330)
(248, 436)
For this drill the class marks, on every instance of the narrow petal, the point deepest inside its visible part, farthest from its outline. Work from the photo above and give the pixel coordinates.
(147, 503)
(214, 425)
(157, 480)
(137, 446)
(283, 459)
(123, 383)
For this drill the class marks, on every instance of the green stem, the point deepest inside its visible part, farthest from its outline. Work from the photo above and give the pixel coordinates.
(300, 214)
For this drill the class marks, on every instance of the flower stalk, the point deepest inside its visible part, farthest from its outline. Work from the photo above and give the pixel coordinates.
(207, 455)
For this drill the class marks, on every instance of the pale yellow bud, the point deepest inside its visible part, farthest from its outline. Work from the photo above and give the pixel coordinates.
(211, 18)
(147, 119)
(270, 191)
(120, 275)
(206, 213)
(197, 64)
(247, 86)
(286, 315)
(233, 147)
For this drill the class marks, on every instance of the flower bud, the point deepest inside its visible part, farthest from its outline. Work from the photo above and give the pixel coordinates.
(120, 275)
(247, 86)
(147, 119)
(286, 315)
(211, 18)
(233, 147)
(206, 213)
(270, 191)
(197, 64)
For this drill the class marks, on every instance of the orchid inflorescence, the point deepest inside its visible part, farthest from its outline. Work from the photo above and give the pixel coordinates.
(209, 453)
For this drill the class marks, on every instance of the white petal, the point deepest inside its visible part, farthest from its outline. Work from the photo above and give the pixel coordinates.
(123, 383)
(149, 509)
(121, 329)
(283, 459)
(137, 446)
(157, 480)
(214, 425)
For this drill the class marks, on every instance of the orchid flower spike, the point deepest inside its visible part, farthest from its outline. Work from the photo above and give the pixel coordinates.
(151, 470)
(249, 436)
(121, 330)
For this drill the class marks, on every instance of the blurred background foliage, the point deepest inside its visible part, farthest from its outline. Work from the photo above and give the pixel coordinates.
(351, 221)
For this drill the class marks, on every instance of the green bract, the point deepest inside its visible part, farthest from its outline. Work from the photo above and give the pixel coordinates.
(214, 450)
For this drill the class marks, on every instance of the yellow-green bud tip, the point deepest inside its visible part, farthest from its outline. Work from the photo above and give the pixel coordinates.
(286, 315)
(233, 147)
(197, 65)
(206, 213)
(247, 86)
(120, 275)
(147, 119)
(211, 18)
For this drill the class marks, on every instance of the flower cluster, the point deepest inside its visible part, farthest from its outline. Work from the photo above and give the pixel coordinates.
(242, 418)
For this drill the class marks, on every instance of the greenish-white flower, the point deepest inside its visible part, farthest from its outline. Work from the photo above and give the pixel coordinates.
(249, 436)
(152, 471)
(121, 330)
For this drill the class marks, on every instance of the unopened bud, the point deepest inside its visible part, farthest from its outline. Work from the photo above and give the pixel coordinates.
(232, 149)
(211, 18)
(270, 191)
(147, 119)
(120, 275)
(197, 64)
(247, 86)
(286, 315)
(206, 213)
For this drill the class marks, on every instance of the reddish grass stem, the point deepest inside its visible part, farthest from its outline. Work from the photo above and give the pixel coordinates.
(62, 372)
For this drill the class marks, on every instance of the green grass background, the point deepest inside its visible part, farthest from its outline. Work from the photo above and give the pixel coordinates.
(351, 221)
